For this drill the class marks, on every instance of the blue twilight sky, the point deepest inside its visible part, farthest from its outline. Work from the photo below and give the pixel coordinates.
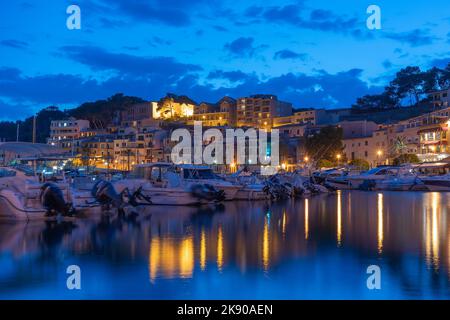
(312, 53)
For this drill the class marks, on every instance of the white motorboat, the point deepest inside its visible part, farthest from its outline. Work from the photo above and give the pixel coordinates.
(205, 175)
(364, 181)
(437, 182)
(250, 187)
(24, 197)
(162, 183)
(401, 182)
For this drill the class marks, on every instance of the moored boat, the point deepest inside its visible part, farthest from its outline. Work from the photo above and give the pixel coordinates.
(163, 184)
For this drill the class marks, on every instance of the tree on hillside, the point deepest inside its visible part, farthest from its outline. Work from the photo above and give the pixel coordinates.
(104, 111)
(166, 106)
(409, 84)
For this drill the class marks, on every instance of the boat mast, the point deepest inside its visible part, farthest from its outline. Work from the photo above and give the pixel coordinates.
(34, 129)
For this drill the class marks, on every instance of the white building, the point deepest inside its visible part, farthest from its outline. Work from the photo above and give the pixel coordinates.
(63, 133)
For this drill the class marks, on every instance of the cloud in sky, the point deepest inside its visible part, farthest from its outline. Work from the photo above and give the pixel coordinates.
(172, 13)
(13, 112)
(100, 59)
(241, 47)
(289, 54)
(17, 44)
(208, 48)
(339, 89)
(415, 38)
(296, 16)
(233, 76)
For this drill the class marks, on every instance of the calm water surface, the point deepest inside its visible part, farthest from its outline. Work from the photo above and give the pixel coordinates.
(304, 249)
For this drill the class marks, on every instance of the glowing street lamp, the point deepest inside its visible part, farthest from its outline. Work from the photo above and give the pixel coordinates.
(306, 159)
(338, 157)
(379, 153)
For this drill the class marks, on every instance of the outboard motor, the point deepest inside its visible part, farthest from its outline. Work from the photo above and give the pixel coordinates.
(105, 193)
(52, 199)
(137, 198)
(207, 192)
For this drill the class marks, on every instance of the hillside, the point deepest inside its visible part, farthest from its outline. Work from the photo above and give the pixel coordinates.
(101, 112)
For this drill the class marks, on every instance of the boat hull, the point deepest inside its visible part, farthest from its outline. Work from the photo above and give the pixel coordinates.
(12, 208)
(437, 185)
(251, 193)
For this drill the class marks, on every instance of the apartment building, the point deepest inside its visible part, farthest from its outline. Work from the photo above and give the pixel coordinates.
(309, 116)
(63, 133)
(426, 135)
(259, 110)
(373, 148)
(222, 113)
(440, 99)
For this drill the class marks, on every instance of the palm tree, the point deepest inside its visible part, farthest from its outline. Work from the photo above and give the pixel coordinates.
(400, 145)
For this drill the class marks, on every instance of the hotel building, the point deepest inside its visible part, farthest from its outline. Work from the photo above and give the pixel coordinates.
(260, 110)
(63, 133)
(222, 113)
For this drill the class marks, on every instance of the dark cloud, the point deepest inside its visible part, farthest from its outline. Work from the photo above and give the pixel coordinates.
(318, 90)
(289, 54)
(157, 41)
(286, 14)
(173, 13)
(233, 76)
(220, 28)
(111, 23)
(415, 38)
(17, 44)
(320, 14)
(58, 88)
(318, 19)
(387, 64)
(441, 62)
(253, 11)
(13, 112)
(99, 59)
(241, 47)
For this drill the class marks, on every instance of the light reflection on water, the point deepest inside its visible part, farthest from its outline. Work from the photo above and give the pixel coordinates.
(308, 248)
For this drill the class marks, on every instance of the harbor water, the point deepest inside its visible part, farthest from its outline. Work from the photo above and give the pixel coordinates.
(311, 248)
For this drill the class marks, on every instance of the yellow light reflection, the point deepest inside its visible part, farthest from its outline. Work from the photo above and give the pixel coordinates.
(283, 225)
(435, 197)
(266, 243)
(306, 219)
(186, 257)
(169, 258)
(380, 223)
(339, 218)
(203, 250)
(219, 248)
(431, 230)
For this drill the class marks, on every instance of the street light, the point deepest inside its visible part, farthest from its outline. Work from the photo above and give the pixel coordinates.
(338, 157)
(379, 153)
(306, 159)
